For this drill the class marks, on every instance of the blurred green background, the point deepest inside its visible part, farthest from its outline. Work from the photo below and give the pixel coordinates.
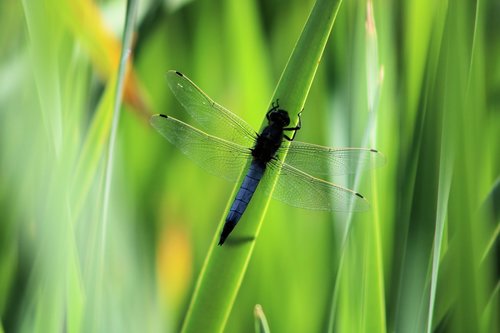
(418, 80)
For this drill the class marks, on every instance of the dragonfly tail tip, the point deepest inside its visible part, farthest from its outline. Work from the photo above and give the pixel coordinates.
(222, 239)
(226, 230)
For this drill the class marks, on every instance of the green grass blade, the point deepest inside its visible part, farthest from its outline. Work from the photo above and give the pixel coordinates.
(491, 205)
(124, 57)
(118, 93)
(420, 181)
(48, 307)
(93, 148)
(225, 266)
(368, 303)
(45, 30)
(447, 155)
(374, 311)
(261, 325)
(298, 75)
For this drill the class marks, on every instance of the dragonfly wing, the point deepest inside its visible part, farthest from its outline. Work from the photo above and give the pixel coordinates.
(299, 189)
(217, 156)
(212, 118)
(323, 161)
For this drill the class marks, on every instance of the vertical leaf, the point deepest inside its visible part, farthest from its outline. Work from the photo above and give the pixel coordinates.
(225, 266)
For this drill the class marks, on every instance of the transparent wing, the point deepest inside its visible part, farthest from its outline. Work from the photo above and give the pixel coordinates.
(322, 161)
(212, 118)
(217, 156)
(297, 188)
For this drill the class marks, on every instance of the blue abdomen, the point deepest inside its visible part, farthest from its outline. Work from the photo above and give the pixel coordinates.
(245, 193)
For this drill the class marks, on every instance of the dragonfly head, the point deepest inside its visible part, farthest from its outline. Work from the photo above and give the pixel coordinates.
(279, 117)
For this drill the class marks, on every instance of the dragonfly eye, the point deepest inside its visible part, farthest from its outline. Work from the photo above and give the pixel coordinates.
(279, 117)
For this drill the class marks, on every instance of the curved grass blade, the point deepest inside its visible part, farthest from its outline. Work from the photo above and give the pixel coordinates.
(93, 149)
(225, 267)
(371, 308)
(125, 55)
(261, 325)
(445, 177)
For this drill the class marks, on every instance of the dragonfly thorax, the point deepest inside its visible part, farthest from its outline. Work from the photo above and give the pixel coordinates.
(268, 143)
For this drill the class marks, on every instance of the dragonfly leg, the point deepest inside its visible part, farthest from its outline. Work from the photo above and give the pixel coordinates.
(274, 106)
(295, 129)
(277, 105)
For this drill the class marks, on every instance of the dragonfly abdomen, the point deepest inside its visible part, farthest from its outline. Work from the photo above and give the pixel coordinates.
(240, 203)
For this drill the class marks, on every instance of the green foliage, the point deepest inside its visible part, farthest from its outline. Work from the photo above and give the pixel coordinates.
(418, 80)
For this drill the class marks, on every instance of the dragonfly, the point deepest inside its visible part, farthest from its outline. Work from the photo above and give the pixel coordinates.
(225, 145)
